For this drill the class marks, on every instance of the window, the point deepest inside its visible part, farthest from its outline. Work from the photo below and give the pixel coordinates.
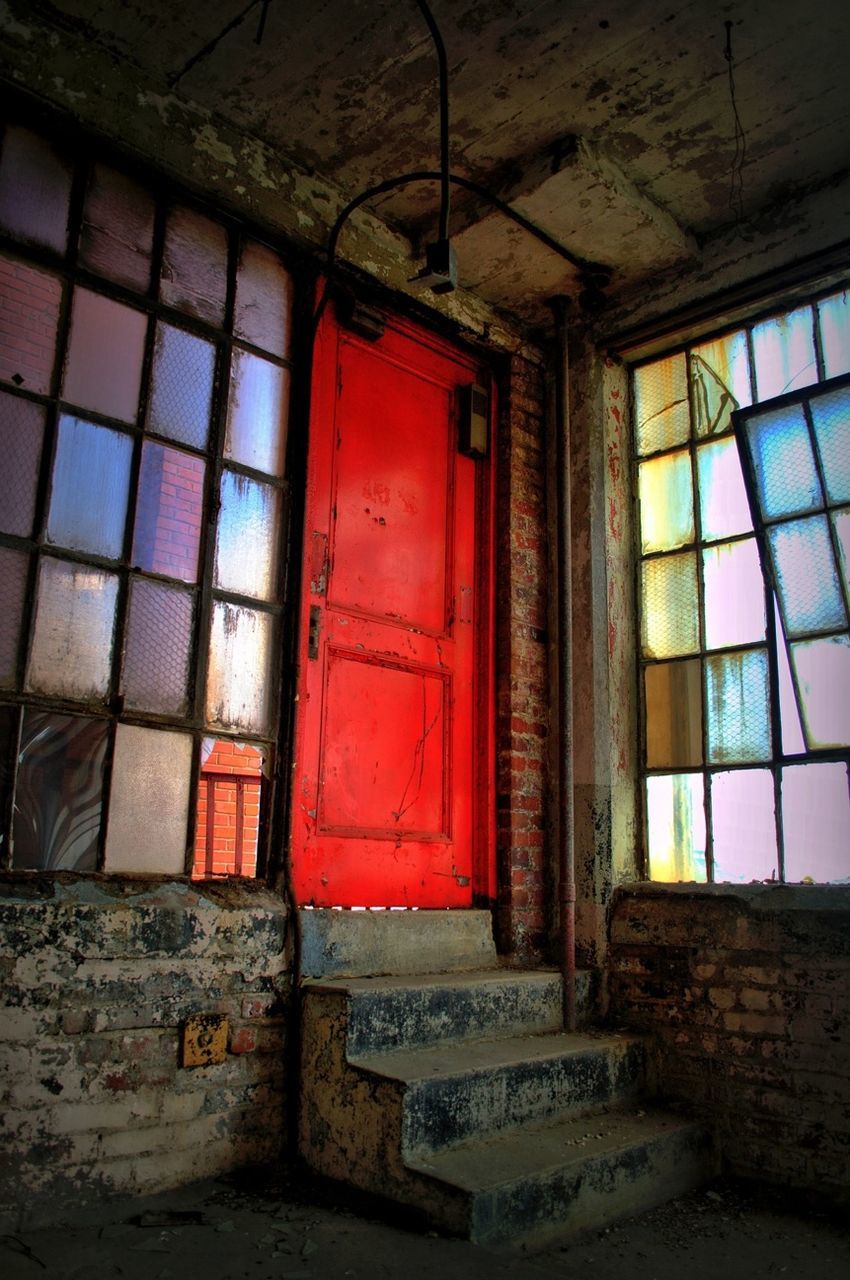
(744, 673)
(144, 398)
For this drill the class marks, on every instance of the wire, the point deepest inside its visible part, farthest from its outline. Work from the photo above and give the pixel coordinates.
(736, 185)
(445, 160)
(213, 44)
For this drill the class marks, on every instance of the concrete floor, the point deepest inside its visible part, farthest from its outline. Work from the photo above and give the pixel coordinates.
(230, 1230)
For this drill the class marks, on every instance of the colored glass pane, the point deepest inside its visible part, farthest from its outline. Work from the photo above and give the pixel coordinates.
(734, 594)
(240, 683)
(793, 743)
(784, 353)
(21, 434)
(831, 418)
(29, 316)
(806, 576)
(247, 551)
(116, 237)
(662, 414)
(156, 653)
(673, 714)
(815, 820)
(263, 311)
(723, 506)
(257, 413)
(35, 189)
(194, 265)
(169, 511)
(783, 462)
(71, 654)
(91, 477)
(670, 616)
(675, 815)
(743, 825)
(834, 318)
(737, 707)
(666, 494)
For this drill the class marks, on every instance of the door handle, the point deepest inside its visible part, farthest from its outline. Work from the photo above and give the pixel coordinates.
(313, 632)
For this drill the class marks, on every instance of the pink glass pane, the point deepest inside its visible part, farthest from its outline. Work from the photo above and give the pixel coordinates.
(263, 313)
(168, 512)
(29, 316)
(816, 820)
(13, 584)
(156, 654)
(792, 730)
(834, 316)
(784, 350)
(734, 594)
(35, 186)
(744, 826)
(194, 266)
(675, 816)
(103, 368)
(257, 413)
(91, 478)
(71, 654)
(117, 231)
(21, 431)
(227, 822)
(822, 668)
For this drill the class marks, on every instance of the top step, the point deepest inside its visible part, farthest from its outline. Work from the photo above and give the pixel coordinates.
(361, 944)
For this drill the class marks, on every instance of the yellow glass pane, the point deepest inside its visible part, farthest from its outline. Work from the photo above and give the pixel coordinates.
(673, 715)
(675, 818)
(670, 614)
(666, 502)
(662, 415)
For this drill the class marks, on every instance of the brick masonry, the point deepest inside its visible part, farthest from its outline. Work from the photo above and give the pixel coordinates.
(748, 993)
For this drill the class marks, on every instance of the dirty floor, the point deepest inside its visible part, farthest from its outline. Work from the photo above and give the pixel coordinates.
(232, 1230)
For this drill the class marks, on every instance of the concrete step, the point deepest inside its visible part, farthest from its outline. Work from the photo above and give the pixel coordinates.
(359, 943)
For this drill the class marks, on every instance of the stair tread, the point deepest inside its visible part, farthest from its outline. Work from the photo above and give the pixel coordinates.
(469, 978)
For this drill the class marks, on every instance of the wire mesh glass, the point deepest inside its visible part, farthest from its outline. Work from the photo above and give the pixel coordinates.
(806, 576)
(737, 707)
(719, 382)
(670, 612)
(831, 418)
(662, 413)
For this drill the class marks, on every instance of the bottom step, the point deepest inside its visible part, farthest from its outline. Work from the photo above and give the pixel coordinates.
(551, 1181)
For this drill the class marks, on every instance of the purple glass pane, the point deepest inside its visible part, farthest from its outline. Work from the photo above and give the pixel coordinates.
(744, 826)
(815, 820)
(103, 367)
(156, 655)
(21, 433)
(807, 576)
(117, 231)
(263, 313)
(168, 512)
(35, 186)
(194, 266)
(784, 351)
(183, 368)
(91, 477)
(13, 585)
(29, 315)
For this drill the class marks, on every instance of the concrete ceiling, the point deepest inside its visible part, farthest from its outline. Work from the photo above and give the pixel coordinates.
(609, 125)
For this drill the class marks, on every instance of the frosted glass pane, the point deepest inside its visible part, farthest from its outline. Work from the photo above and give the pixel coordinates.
(675, 815)
(194, 265)
(247, 551)
(168, 512)
(841, 526)
(117, 232)
(35, 187)
(181, 395)
(737, 703)
(831, 417)
(240, 684)
(734, 594)
(72, 643)
(148, 802)
(784, 464)
(806, 576)
(816, 820)
(29, 315)
(666, 502)
(91, 478)
(156, 654)
(822, 668)
(723, 506)
(21, 434)
(103, 367)
(834, 316)
(227, 824)
(263, 313)
(670, 617)
(720, 382)
(662, 415)
(673, 715)
(14, 566)
(784, 351)
(257, 413)
(59, 793)
(744, 826)
(793, 743)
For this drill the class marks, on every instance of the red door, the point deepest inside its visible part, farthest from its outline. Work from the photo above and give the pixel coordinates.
(391, 795)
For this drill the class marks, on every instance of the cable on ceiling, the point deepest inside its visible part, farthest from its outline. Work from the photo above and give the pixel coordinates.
(736, 184)
(445, 159)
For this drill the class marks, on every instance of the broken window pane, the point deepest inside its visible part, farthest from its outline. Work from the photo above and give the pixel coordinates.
(257, 413)
(228, 815)
(734, 594)
(784, 351)
(116, 237)
(834, 314)
(14, 567)
(169, 511)
(59, 792)
(71, 651)
(822, 668)
(816, 819)
(181, 396)
(194, 265)
(246, 560)
(666, 493)
(720, 382)
(806, 576)
(103, 368)
(784, 464)
(670, 615)
(148, 801)
(744, 826)
(21, 434)
(737, 701)
(831, 417)
(35, 188)
(156, 655)
(673, 714)
(240, 684)
(723, 506)
(263, 313)
(29, 316)
(662, 413)
(675, 815)
(91, 478)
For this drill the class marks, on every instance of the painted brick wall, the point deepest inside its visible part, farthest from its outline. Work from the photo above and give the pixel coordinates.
(98, 979)
(748, 992)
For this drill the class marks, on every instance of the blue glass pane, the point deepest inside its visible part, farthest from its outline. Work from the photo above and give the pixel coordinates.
(822, 668)
(841, 525)
(786, 479)
(831, 416)
(675, 816)
(246, 558)
(806, 577)
(91, 476)
(737, 707)
(784, 351)
(834, 315)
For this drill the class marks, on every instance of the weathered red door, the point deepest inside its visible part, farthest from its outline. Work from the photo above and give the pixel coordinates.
(389, 780)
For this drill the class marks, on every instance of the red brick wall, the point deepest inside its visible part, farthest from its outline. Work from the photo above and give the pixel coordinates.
(235, 760)
(29, 314)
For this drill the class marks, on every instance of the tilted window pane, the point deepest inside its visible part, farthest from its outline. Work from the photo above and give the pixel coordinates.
(670, 616)
(743, 822)
(806, 577)
(673, 714)
(181, 395)
(240, 684)
(35, 188)
(227, 824)
(21, 435)
(737, 706)
(14, 567)
(734, 594)
(194, 266)
(257, 413)
(263, 314)
(831, 417)
(675, 815)
(247, 552)
(103, 368)
(148, 801)
(91, 478)
(662, 413)
(29, 316)
(723, 506)
(666, 493)
(116, 237)
(720, 382)
(822, 668)
(156, 654)
(71, 650)
(784, 351)
(783, 461)
(816, 819)
(59, 792)
(834, 315)
(169, 512)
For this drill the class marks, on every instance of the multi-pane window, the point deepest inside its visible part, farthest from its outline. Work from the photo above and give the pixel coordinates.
(144, 398)
(745, 683)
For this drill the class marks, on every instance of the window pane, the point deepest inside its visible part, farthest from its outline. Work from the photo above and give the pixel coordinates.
(720, 382)
(257, 413)
(168, 512)
(676, 826)
(723, 506)
(116, 237)
(822, 668)
(148, 801)
(14, 566)
(72, 642)
(103, 368)
(661, 404)
(834, 316)
(816, 819)
(734, 594)
(181, 398)
(673, 715)
(240, 684)
(784, 350)
(194, 266)
(744, 826)
(737, 705)
(35, 187)
(29, 315)
(806, 576)
(669, 621)
(156, 655)
(793, 743)
(783, 462)
(831, 417)
(263, 312)
(228, 816)
(246, 559)
(59, 792)
(666, 502)
(91, 478)
(841, 526)
(21, 434)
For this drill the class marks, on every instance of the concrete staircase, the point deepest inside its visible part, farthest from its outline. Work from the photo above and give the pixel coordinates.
(458, 1095)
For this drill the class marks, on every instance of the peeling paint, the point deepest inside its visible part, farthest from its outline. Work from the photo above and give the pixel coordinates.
(207, 141)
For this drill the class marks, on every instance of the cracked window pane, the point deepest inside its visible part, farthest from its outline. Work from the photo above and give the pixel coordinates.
(784, 351)
(263, 313)
(227, 823)
(720, 382)
(675, 815)
(670, 615)
(831, 418)
(662, 413)
(737, 697)
(665, 486)
(116, 237)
